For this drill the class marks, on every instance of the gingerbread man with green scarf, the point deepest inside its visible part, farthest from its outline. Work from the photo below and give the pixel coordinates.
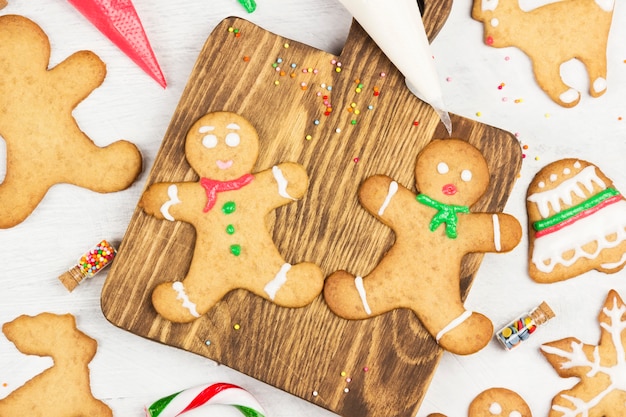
(434, 230)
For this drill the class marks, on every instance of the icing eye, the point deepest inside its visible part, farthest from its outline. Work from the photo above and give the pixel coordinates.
(515, 414)
(209, 141)
(466, 175)
(442, 168)
(233, 139)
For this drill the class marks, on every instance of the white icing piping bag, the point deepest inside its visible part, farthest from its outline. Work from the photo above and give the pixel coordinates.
(397, 28)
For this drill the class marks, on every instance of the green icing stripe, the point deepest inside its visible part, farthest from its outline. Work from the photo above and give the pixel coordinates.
(248, 412)
(158, 406)
(574, 210)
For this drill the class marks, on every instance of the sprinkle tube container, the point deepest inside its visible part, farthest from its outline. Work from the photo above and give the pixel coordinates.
(523, 327)
(89, 265)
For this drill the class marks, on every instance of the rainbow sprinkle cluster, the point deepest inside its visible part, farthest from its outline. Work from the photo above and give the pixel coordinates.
(97, 258)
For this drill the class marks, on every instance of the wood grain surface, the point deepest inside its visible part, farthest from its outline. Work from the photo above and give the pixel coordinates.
(305, 350)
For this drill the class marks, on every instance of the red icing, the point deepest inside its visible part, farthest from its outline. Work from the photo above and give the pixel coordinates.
(212, 187)
(449, 189)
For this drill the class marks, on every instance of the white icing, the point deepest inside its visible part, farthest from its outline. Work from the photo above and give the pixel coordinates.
(610, 221)
(599, 84)
(606, 5)
(541, 184)
(496, 233)
(563, 192)
(172, 193)
(358, 283)
(466, 175)
(232, 139)
(515, 414)
(209, 141)
(495, 408)
(205, 129)
(398, 30)
(393, 189)
(453, 324)
(233, 126)
(567, 171)
(577, 164)
(442, 168)
(569, 96)
(187, 303)
(282, 183)
(489, 5)
(577, 358)
(553, 177)
(615, 265)
(495, 22)
(272, 287)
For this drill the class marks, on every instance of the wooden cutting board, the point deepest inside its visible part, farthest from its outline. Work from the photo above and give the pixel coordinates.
(390, 359)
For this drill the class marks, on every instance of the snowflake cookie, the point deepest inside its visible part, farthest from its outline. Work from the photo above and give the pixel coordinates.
(601, 391)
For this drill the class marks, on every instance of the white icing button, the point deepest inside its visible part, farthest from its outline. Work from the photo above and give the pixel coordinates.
(567, 171)
(495, 409)
(553, 177)
(569, 96)
(466, 175)
(541, 184)
(599, 84)
(495, 22)
(577, 164)
(515, 414)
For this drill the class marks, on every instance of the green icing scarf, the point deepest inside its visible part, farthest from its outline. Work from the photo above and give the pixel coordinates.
(446, 213)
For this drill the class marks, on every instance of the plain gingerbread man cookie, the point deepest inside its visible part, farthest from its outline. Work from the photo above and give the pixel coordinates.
(64, 389)
(44, 144)
(434, 231)
(227, 207)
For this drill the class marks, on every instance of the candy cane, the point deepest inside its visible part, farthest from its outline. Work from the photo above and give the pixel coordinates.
(213, 400)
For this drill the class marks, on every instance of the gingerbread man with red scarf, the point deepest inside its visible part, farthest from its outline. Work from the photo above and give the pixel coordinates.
(228, 207)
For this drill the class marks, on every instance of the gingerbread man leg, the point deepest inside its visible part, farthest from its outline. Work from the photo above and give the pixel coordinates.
(455, 329)
(284, 284)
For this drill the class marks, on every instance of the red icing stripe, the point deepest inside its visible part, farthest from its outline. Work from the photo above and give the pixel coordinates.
(579, 216)
(208, 393)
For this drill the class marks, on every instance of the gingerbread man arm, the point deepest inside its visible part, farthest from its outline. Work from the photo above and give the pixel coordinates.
(383, 197)
(83, 65)
(282, 184)
(172, 200)
(491, 232)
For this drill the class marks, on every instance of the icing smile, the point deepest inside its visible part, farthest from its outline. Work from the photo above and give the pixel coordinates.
(224, 164)
(449, 189)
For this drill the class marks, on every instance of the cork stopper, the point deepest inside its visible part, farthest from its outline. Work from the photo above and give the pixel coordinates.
(542, 313)
(71, 278)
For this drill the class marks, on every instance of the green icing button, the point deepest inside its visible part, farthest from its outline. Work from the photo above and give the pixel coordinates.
(230, 229)
(235, 250)
(229, 207)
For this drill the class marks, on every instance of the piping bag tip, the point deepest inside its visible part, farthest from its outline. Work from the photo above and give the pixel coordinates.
(437, 105)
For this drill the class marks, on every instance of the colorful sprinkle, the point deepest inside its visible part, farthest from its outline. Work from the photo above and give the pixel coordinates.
(237, 326)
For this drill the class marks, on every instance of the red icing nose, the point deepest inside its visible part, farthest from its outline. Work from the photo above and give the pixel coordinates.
(489, 40)
(449, 189)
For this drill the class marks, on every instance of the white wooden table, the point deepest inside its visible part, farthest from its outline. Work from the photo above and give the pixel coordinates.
(129, 372)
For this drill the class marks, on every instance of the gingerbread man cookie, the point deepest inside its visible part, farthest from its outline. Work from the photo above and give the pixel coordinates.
(64, 389)
(44, 144)
(227, 207)
(434, 231)
(577, 222)
(496, 402)
(551, 35)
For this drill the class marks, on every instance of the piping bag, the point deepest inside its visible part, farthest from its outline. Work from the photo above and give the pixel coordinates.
(397, 28)
(118, 20)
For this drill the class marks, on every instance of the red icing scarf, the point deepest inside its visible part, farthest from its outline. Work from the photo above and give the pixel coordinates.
(212, 187)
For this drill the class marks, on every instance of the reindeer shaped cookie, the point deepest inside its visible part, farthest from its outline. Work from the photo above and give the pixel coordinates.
(434, 231)
(551, 35)
(64, 389)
